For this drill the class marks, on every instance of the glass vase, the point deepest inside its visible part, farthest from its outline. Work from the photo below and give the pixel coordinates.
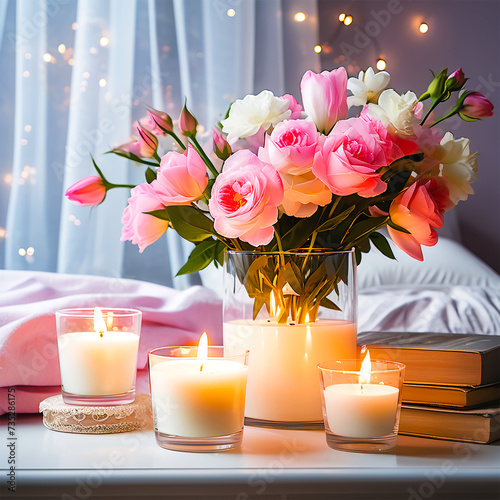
(292, 310)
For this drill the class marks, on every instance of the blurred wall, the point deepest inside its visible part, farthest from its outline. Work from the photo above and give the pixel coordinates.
(462, 33)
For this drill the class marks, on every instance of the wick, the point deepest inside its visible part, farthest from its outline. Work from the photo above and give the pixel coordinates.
(101, 333)
(361, 387)
(201, 367)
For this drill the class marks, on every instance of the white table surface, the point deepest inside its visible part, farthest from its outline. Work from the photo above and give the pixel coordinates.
(272, 464)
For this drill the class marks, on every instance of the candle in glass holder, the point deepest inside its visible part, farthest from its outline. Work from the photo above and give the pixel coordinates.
(198, 399)
(98, 358)
(361, 408)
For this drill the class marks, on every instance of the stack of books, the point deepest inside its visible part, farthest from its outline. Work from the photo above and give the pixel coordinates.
(452, 383)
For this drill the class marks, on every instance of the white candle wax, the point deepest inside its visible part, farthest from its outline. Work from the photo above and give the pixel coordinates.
(283, 380)
(190, 402)
(361, 411)
(92, 365)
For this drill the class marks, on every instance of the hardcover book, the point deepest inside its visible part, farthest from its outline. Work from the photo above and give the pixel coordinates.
(452, 396)
(481, 425)
(437, 358)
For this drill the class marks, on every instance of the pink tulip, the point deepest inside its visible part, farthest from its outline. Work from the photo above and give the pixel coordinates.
(475, 106)
(87, 191)
(245, 199)
(181, 178)
(419, 209)
(139, 227)
(350, 157)
(325, 97)
(221, 147)
(187, 123)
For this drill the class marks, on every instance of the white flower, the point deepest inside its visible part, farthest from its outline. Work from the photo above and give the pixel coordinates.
(367, 87)
(249, 114)
(458, 167)
(401, 111)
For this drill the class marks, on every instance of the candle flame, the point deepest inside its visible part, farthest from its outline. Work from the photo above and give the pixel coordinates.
(99, 324)
(365, 371)
(202, 349)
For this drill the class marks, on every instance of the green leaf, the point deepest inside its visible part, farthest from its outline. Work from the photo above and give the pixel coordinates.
(335, 221)
(150, 175)
(364, 228)
(159, 214)
(133, 157)
(364, 245)
(190, 223)
(292, 275)
(201, 256)
(398, 228)
(325, 302)
(300, 232)
(380, 241)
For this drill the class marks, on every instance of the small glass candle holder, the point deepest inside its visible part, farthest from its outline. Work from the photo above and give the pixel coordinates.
(361, 403)
(198, 402)
(98, 355)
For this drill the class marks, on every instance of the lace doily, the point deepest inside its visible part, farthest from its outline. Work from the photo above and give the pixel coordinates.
(59, 416)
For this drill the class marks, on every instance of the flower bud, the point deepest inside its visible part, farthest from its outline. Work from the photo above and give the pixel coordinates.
(147, 143)
(159, 121)
(437, 87)
(187, 123)
(87, 191)
(455, 81)
(475, 106)
(221, 147)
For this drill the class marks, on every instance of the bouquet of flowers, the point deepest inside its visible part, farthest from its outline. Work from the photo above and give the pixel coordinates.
(285, 177)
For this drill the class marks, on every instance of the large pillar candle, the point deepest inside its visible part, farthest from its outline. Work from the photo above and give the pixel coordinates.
(283, 374)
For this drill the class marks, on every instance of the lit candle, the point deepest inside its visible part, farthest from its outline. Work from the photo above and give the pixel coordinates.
(197, 397)
(362, 410)
(100, 362)
(283, 374)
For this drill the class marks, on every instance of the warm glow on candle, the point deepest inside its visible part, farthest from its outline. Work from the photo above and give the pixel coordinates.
(109, 320)
(365, 372)
(202, 349)
(99, 324)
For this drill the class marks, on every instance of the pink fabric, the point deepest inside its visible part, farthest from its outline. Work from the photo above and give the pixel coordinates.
(28, 341)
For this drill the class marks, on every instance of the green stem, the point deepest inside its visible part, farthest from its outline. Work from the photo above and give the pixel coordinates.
(206, 159)
(434, 104)
(177, 140)
(112, 186)
(450, 114)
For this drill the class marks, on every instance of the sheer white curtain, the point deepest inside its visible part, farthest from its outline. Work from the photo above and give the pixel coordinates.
(74, 77)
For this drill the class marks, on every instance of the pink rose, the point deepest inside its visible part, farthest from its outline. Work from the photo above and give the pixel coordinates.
(394, 144)
(325, 97)
(245, 199)
(290, 149)
(348, 160)
(87, 191)
(140, 228)
(293, 106)
(181, 178)
(419, 209)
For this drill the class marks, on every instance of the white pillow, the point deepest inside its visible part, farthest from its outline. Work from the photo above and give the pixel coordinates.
(446, 263)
